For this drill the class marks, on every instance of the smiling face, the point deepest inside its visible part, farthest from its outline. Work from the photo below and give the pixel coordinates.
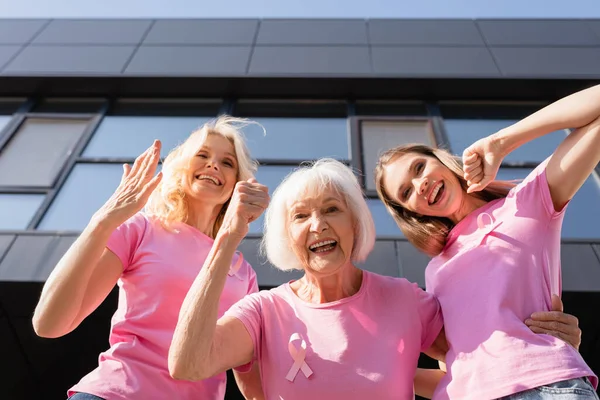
(424, 185)
(213, 171)
(321, 229)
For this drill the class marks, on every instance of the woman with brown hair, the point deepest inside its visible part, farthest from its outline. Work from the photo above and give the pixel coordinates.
(496, 250)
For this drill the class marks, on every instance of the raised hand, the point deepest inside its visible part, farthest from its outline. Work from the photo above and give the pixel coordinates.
(137, 183)
(481, 162)
(248, 201)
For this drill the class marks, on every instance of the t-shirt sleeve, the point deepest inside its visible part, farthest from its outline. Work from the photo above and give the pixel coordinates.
(126, 239)
(248, 310)
(430, 314)
(534, 192)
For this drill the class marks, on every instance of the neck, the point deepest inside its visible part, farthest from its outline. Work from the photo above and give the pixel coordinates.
(202, 216)
(469, 204)
(325, 289)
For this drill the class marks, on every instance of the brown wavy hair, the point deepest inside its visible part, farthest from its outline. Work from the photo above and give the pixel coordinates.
(426, 233)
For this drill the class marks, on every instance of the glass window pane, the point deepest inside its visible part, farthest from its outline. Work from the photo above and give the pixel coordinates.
(378, 136)
(270, 176)
(37, 152)
(135, 134)
(298, 139)
(463, 132)
(4, 121)
(16, 210)
(582, 219)
(97, 181)
(384, 223)
(94, 182)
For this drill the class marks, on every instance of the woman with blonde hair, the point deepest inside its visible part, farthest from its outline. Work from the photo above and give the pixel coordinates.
(154, 256)
(496, 251)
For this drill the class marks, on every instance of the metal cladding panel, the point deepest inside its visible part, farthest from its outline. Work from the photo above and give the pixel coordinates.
(70, 60)
(115, 32)
(202, 32)
(412, 262)
(19, 31)
(32, 258)
(537, 33)
(382, 259)
(189, 61)
(312, 32)
(5, 242)
(7, 53)
(310, 60)
(434, 61)
(548, 62)
(580, 268)
(424, 32)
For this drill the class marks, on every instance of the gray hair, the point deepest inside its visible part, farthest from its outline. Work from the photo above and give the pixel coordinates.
(310, 180)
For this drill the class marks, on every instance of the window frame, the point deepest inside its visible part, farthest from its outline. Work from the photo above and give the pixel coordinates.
(437, 137)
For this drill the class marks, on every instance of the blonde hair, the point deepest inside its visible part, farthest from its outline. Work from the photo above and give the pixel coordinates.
(426, 233)
(308, 180)
(168, 202)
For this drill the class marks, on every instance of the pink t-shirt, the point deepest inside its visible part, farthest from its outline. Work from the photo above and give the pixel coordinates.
(362, 347)
(158, 269)
(502, 263)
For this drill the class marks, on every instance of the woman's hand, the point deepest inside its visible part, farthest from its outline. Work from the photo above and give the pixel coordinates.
(248, 202)
(137, 183)
(481, 162)
(556, 323)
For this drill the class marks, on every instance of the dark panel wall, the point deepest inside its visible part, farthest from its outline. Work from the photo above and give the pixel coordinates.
(301, 48)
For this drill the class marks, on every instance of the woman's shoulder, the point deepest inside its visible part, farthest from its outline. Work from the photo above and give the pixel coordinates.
(377, 282)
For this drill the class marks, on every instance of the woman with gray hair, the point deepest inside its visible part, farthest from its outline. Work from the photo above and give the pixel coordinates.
(338, 332)
(331, 334)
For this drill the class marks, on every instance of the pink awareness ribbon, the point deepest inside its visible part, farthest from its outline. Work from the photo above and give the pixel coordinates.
(233, 270)
(298, 355)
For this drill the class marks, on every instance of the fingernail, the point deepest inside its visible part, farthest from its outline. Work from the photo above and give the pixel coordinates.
(528, 321)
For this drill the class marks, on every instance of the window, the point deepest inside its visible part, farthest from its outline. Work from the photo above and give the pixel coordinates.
(463, 132)
(17, 210)
(384, 223)
(270, 176)
(86, 189)
(36, 153)
(582, 220)
(128, 136)
(378, 136)
(298, 139)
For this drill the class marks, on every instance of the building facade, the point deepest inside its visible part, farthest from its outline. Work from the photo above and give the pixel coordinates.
(80, 97)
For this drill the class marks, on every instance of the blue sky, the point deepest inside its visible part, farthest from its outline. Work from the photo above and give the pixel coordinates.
(300, 8)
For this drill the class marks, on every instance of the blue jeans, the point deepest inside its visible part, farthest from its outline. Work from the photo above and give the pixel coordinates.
(572, 389)
(84, 396)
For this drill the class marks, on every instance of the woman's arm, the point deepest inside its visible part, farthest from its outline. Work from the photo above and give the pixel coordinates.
(426, 380)
(202, 346)
(249, 383)
(87, 272)
(572, 162)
